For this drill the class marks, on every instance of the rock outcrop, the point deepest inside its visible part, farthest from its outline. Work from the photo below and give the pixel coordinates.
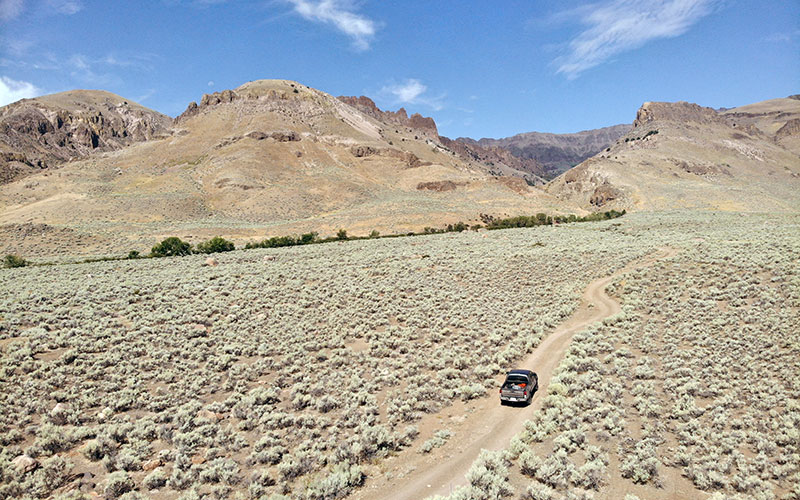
(682, 111)
(425, 126)
(44, 133)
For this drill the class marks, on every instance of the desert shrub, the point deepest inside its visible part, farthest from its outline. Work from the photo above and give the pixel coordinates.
(118, 483)
(337, 484)
(172, 246)
(341, 234)
(215, 245)
(14, 261)
(488, 477)
(439, 438)
(220, 470)
(529, 463)
(539, 491)
(133, 254)
(472, 391)
(156, 479)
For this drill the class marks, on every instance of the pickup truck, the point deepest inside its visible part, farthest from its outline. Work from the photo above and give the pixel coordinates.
(519, 387)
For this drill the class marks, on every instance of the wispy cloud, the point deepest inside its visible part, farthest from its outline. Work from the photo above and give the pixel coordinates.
(14, 90)
(786, 37)
(622, 25)
(340, 14)
(104, 70)
(9, 9)
(68, 7)
(412, 91)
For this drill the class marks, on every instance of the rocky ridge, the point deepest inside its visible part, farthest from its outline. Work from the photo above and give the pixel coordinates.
(682, 155)
(556, 153)
(45, 132)
(426, 126)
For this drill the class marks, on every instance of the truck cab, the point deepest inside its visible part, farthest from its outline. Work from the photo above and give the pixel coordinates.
(519, 387)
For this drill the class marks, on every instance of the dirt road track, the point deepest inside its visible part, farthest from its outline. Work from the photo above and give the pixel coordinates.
(491, 426)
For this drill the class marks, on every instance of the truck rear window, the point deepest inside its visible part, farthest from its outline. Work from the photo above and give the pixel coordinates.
(515, 381)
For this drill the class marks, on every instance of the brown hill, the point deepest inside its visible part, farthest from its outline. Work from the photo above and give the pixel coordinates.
(43, 133)
(270, 157)
(681, 155)
(556, 153)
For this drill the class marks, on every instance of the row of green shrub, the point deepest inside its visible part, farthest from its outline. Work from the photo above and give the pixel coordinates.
(174, 246)
(547, 220)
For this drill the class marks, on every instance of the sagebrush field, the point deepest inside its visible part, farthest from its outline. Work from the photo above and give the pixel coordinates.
(295, 372)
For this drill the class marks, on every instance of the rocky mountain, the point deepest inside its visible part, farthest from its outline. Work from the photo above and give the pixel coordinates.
(270, 157)
(43, 133)
(681, 155)
(495, 161)
(556, 153)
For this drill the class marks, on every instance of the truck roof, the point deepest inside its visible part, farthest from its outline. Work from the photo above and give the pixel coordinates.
(520, 372)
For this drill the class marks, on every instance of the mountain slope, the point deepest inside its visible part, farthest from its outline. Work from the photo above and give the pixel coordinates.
(270, 157)
(492, 160)
(681, 155)
(555, 152)
(43, 133)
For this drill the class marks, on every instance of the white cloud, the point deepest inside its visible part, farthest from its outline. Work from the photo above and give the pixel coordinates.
(339, 13)
(408, 91)
(412, 91)
(14, 90)
(9, 9)
(621, 25)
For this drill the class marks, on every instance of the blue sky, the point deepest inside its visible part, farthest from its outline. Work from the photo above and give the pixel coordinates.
(481, 69)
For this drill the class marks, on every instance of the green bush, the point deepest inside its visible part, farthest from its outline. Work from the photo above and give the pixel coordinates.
(308, 238)
(341, 235)
(215, 245)
(15, 261)
(133, 254)
(170, 247)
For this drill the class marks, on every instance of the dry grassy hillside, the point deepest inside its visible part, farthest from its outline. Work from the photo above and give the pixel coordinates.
(681, 155)
(269, 157)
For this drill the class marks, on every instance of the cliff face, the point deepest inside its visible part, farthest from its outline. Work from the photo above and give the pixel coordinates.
(682, 111)
(423, 124)
(43, 133)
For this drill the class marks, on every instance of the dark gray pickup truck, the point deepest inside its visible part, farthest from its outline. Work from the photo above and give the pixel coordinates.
(519, 387)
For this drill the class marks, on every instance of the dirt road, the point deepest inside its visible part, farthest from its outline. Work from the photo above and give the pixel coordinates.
(484, 424)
